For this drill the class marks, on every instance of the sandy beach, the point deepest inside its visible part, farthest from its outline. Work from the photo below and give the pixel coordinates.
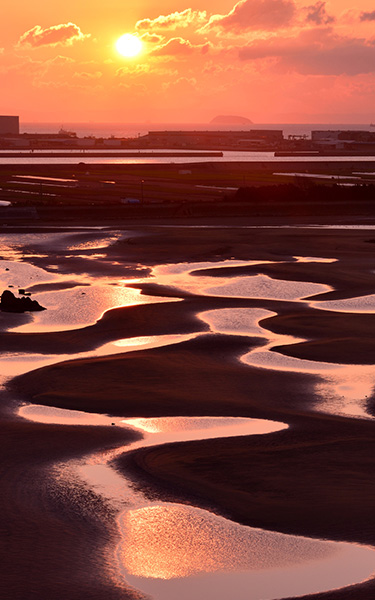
(314, 479)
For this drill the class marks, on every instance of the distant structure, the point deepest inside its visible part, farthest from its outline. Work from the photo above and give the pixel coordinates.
(248, 139)
(344, 140)
(9, 125)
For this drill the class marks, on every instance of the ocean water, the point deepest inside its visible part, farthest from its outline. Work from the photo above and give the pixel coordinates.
(137, 129)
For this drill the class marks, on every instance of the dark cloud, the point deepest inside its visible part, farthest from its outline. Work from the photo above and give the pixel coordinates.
(367, 16)
(317, 14)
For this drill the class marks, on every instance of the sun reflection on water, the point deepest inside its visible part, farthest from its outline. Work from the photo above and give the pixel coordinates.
(178, 541)
(177, 551)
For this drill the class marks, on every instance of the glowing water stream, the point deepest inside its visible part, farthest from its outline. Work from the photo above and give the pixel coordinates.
(249, 286)
(342, 389)
(171, 550)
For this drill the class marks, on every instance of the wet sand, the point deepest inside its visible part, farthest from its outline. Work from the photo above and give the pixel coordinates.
(314, 479)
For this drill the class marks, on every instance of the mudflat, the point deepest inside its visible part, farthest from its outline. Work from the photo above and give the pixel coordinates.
(314, 479)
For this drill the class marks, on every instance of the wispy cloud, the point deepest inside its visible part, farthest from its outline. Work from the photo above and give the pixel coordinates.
(179, 47)
(151, 38)
(173, 20)
(87, 76)
(65, 34)
(133, 70)
(182, 84)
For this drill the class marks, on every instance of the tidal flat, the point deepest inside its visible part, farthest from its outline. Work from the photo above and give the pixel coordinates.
(192, 416)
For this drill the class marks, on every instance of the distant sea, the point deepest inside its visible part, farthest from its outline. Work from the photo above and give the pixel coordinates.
(106, 130)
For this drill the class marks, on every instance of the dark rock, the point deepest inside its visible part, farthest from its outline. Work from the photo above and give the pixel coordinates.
(9, 303)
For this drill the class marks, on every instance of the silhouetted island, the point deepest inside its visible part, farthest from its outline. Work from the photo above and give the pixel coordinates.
(230, 120)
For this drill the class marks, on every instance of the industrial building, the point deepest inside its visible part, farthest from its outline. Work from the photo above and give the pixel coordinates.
(253, 138)
(356, 140)
(9, 125)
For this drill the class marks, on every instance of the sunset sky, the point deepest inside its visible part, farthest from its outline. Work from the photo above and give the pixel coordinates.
(268, 60)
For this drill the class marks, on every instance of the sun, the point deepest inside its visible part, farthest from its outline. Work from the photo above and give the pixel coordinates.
(129, 45)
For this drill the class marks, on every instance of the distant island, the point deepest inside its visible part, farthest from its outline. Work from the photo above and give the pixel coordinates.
(230, 120)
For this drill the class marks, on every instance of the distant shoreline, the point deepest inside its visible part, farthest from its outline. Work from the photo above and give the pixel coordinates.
(109, 154)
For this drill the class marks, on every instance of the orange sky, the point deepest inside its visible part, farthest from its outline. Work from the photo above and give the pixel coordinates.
(268, 60)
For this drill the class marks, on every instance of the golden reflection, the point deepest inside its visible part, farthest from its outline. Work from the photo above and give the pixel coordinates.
(176, 429)
(178, 424)
(148, 425)
(80, 306)
(137, 341)
(307, 259)
(171, 541)
(95, 244)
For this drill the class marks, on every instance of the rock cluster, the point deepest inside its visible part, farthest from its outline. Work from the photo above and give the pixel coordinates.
(9, 303)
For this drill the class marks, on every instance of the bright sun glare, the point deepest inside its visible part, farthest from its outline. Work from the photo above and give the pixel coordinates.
(129, 45)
